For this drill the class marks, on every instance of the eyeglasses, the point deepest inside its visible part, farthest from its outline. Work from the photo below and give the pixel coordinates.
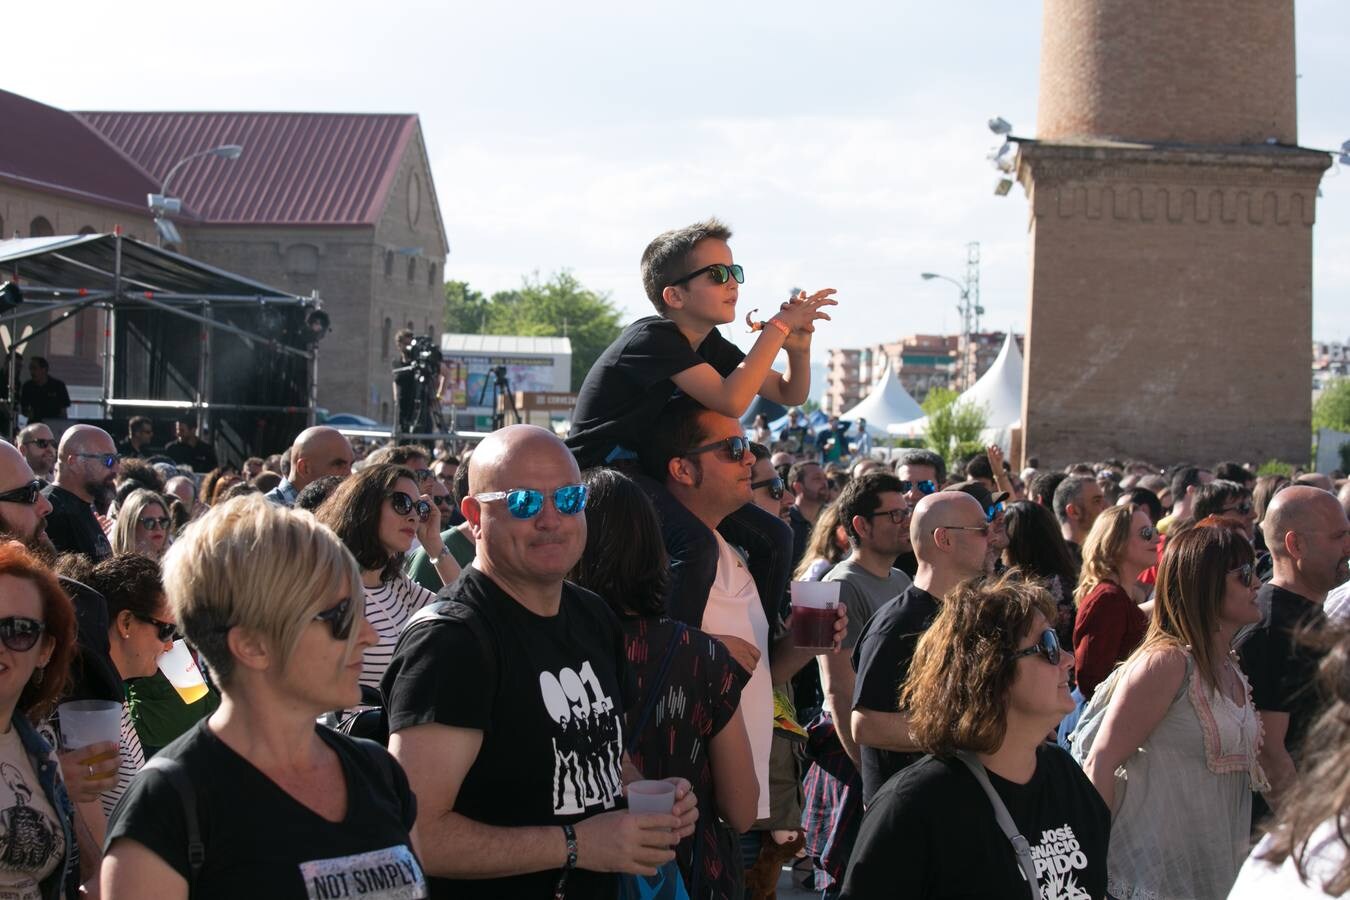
(775, 486)
(1047, 647)
(1245, 573)
(403, 504)
(165, 631)
(1243, 509)
(109, 459)
(1148, 532)
(155, 523)
(735, 447)
(20, 633)
(719, 271)
(28, 494)
(896, 515)
(526, 503)
(982, 529)
(424, 475)
(338, 618)
(992, 512)
(43, 443)
(925, 487)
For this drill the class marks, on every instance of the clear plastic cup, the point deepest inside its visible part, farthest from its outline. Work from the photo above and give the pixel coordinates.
(181, 669)
(85, 722)
(814, 611)
(651, 797)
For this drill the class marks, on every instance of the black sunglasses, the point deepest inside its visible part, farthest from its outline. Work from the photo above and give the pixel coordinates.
(1245, 573)
(43, 443)
(403, 504)
(109, 459)
(441, 499)
(28, 494)
(338, 618)
(165, 631)
(925, 487)
(720, 273)
(155, 523)
(1243, 509)
(20, 633)
(774, 484)
(1148, 532)
(735, 447)
(1047, 647)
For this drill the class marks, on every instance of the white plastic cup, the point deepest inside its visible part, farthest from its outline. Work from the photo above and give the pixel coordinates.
(813, 613)
(181, 669)
(85, 722)
(651, 797)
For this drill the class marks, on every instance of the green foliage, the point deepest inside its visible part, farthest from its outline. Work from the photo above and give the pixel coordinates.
(809, 406)
(1275, 467)
(1332, 409)
(559, 306)
(953, 428)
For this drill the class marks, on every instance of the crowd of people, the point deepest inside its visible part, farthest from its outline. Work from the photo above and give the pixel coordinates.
(430, 675)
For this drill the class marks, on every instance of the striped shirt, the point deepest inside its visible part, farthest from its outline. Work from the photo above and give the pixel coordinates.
(388, 608)
(133, 760)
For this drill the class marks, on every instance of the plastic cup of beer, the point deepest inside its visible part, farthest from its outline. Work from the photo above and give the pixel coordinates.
(85, 722)
(181, 669)
(814, 613)
(651, 797)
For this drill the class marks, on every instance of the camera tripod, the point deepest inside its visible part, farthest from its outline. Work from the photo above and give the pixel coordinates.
(503, 398)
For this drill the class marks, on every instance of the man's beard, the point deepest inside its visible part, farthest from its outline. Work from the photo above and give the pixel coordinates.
(39, 545)
(102, 494)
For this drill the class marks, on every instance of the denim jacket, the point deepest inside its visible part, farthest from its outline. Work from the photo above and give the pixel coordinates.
(64, 882)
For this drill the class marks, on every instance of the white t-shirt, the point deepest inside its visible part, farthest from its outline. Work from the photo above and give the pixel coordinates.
(1259, 880)
(388, 609)
(1337, 605)
(734, 609)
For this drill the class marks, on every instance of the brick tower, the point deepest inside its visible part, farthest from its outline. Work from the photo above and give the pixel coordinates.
(1171, 235)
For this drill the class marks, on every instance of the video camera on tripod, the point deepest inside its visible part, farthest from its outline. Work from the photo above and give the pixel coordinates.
(424, 359)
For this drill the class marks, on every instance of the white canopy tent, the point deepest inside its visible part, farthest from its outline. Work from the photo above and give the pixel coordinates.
(998, 391)
(887, 404)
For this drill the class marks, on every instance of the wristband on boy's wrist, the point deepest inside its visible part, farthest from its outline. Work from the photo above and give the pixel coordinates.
(781, 326)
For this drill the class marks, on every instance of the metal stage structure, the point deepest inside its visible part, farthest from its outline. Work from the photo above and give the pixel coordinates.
(180, 335)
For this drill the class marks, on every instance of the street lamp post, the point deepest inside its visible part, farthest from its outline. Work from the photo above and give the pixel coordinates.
(968, 306)
(162, 205)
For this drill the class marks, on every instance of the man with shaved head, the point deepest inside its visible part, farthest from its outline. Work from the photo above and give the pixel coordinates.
(1338, 601)
(23, 509)
(316, 452)
(950, 534)
(39, 450)
(1308, 536)
(86, 469)
(506, 699)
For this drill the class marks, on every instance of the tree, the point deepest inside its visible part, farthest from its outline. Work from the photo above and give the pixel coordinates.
(953, 427)
(559, 306)
(1332, 409)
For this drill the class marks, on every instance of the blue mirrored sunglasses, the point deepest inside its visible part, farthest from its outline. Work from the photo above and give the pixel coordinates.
(993, 511)
(526, 503)
(925, 487)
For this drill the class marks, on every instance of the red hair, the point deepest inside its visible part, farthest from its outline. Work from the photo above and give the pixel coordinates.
(58, 617)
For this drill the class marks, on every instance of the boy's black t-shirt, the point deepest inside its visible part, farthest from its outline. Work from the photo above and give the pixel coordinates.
(552, 718)
(629, 385)
(1281, 668)
(261, 843)
(933, 827)
(881, 658)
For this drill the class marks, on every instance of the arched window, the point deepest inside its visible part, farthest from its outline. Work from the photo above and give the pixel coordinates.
(388, 262)
(384, 411)
(412, 268)
(88, 229)
(384, 339)
(431, 275)
(40, 227)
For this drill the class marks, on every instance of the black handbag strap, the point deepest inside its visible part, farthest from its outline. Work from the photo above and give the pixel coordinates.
(1021, 846)
(654, 692)
(187, 795)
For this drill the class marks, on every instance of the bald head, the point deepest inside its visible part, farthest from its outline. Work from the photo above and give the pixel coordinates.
(86, 439)
(317, 452)
(38, 449)
(505, 456)
(1308, 534)
(1299, 509)
(941, 510)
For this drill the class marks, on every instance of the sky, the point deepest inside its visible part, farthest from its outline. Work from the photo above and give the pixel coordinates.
(845, 143)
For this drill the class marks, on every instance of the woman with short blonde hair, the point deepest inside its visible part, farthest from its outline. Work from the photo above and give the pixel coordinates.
(987, 683)
(272, 601)
(142, 525)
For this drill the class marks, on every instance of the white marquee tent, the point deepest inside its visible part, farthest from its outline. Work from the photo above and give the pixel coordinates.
(998, 391)
(887, 404)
